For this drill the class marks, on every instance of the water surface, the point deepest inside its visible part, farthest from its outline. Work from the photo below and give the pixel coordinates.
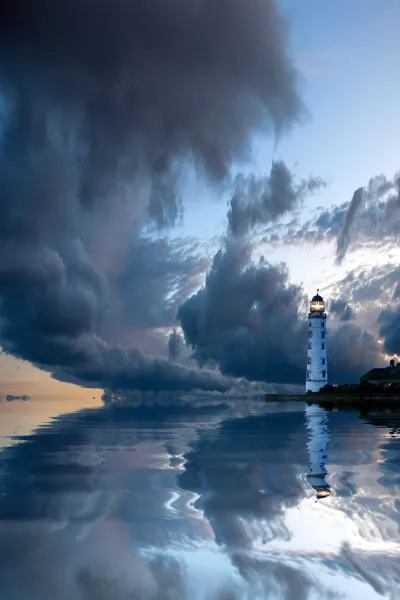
(240, 500)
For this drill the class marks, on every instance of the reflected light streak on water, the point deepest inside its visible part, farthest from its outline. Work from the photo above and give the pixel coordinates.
(221, 502)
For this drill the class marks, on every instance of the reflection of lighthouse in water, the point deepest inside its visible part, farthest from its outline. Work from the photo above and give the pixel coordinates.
(318, 438)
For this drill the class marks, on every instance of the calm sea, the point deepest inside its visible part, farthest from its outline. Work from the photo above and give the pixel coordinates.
(239, 500)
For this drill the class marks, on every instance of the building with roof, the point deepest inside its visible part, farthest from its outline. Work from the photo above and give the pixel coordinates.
(387, 377)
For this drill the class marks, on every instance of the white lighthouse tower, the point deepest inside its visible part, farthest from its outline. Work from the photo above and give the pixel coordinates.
(317, 364)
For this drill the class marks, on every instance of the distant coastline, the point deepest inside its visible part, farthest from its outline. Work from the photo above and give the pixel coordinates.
(376, 388)
(350, 398)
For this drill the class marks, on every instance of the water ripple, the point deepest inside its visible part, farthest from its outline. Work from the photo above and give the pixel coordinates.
(219, 503)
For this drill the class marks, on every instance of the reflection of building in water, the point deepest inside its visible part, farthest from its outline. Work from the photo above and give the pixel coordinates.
(318, 438)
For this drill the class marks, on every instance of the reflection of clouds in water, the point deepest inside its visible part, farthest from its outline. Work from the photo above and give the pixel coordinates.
(383, 576)
(93, 488)
(102, 464)
(163, 503)
(246, 474)
(360, 459)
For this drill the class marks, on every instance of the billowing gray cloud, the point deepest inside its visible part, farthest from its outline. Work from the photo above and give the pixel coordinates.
(246, 318)
(149, 83)
(373, 215)
(103, 110)
(325, 227)
(54, 324)
(373, 292)
(368, 213)
(250, 321)
(339, 308)
(368, 287)
(147, 288)
(259, 200)
(352, 351)
(371, 218)
(389, 329)
(376, 222)
(175, 343)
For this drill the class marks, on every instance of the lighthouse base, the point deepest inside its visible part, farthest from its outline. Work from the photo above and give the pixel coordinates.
(315, 386)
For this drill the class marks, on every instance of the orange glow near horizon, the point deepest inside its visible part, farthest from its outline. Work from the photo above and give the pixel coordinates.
(19, 378)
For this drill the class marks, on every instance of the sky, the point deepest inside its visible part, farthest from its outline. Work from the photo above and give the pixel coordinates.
(177, 183)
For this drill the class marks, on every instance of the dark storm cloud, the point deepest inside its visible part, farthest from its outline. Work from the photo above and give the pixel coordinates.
(378, 221)
(389, 329)
(50, 316)
(175, 343)
(104, 108)
(249, 320)
(168, 271)
(365, 286)
(246, 318)
(325, 227)
(369, 290)
(260, 200)
(352, 351)
(340, 309)
(167, 78)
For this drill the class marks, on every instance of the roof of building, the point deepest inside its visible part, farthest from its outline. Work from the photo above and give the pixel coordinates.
(383, 374)
(317, 298)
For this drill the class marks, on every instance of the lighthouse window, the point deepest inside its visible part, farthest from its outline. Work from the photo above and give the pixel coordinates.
(323, 373)
(310, 334)
(323, 361)
(310, 324)
(309, 361)
(308, 374)
(322, 324)
(309, 345)
(323, 346)
(323, 334)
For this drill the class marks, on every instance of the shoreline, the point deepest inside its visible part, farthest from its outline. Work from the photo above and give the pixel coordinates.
(338, 400)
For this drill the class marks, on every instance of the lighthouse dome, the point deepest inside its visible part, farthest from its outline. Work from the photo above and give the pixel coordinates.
(317, 298)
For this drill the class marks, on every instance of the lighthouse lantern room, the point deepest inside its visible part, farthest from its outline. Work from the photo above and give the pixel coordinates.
(317, 365)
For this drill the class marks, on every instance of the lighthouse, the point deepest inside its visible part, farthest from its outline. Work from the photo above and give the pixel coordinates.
(317, 366)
